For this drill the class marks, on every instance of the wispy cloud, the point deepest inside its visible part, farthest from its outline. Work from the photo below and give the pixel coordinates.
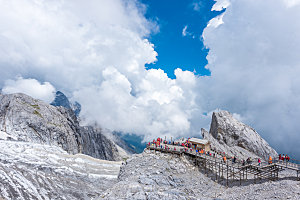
(186, 33)
(197, 5)
(220, 5)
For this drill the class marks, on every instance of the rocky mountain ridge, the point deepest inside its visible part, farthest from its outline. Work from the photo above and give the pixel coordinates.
(23, 118)
(229, 135)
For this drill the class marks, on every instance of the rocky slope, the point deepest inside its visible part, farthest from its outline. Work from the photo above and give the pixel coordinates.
(229, 135)
(23, 118)
(163, 176)
(35, 171)
(61, 100)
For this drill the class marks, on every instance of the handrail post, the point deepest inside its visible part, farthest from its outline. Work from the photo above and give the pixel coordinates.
(227, 175)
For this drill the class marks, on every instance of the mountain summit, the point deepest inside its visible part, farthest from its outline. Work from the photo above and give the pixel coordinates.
(62, 100)
(229, 135)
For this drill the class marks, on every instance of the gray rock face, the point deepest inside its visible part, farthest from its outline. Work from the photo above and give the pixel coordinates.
(23, 118)
(95, 144)
(26, 119)
(230, 135)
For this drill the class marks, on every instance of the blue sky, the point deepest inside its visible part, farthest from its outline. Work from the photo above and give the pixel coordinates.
(175, 50)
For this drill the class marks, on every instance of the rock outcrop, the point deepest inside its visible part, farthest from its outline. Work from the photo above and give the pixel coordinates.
(96, 144)
(23, 118)
(229, 135)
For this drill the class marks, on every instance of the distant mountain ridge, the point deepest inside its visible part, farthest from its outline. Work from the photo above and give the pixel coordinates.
(62, 100)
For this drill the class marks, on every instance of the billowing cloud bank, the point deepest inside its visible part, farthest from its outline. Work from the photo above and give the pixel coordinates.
(255, 63)
(95, 51)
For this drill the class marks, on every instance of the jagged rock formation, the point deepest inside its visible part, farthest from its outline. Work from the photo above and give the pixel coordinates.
(94, 132)
(23, 118)
(35, 171)
(229, 135)
(62, 100)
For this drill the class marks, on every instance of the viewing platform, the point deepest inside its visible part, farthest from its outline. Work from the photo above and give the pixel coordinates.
(229, 171)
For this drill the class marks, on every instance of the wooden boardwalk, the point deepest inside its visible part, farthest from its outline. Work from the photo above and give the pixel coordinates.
(232, 172)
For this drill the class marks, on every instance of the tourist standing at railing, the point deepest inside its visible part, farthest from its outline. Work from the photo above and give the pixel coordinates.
(279, 157)
(224, 159)
(248, 161)
(270, 160)
(234, 160)
(259, 162)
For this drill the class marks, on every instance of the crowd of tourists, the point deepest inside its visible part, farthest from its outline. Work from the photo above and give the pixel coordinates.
(186, 146)
(284, 158)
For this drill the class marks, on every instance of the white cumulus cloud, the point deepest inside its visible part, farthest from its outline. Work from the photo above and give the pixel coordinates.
(43, 91)
(95, 51)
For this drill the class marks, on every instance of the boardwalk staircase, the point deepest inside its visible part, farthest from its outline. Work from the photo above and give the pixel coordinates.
(231, 172)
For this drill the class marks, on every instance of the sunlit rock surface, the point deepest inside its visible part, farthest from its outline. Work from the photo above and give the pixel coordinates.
(229, 135)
